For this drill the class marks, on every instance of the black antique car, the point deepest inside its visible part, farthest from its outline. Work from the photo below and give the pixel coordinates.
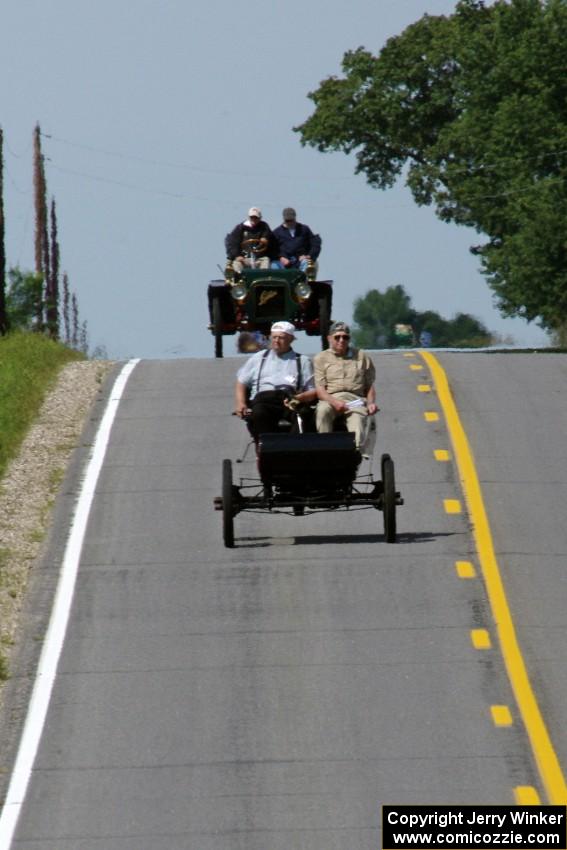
(308, 473)
(255, 299)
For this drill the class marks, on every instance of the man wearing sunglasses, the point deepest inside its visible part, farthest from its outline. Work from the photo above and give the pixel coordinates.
(344, 379)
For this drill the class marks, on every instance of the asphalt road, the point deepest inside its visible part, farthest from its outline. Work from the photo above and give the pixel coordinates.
(273, 696)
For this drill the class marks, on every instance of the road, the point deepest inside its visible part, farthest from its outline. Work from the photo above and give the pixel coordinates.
(273, 696)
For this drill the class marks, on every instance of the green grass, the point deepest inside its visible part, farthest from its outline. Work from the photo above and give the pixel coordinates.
(29, 365)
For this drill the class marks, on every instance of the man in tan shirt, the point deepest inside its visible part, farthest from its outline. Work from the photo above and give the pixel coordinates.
(344, 380)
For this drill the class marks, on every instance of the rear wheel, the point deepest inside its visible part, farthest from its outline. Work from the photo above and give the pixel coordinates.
(389, 498)
(217, 326)
(324, 320)
(227, 505)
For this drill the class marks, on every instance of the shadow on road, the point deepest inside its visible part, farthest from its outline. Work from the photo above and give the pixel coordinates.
(338, 539)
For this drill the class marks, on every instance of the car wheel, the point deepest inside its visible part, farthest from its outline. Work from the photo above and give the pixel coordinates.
(217, 326)
(324, 320)
(227, 505)
(389, 498)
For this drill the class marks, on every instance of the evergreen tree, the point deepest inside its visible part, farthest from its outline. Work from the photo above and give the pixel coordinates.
(66, 307)
(75, 321)
(3, 315)
(40, 202)
(52, 288)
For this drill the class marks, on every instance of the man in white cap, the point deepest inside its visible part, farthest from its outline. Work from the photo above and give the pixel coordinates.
(250, 243)
(269, 379)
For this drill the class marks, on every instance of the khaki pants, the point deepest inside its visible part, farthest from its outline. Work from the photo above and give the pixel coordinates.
(358, 422)
(259, 263)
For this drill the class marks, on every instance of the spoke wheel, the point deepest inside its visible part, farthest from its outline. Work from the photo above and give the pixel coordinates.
(217, 327)
(389, 498)
(227, 505)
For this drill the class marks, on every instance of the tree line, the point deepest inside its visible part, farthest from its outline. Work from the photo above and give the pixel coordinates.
(472, 109)
(387, 320)
(39, 300)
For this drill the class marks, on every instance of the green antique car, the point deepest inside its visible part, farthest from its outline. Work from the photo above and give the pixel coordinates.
(255, 299)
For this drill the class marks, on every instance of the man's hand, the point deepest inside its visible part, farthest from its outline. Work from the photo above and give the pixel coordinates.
(242, 411)
(284, 261)
(339, 405)
(372, 408)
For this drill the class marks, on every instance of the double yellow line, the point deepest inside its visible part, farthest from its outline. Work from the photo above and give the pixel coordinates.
(546, 759)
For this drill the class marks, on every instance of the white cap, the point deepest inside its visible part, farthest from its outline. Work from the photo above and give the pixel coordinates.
(255, 211)
(283, 328)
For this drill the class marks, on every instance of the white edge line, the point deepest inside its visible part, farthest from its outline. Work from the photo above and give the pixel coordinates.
(55, 635)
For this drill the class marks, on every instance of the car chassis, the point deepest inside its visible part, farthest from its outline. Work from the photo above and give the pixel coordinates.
(305, 474)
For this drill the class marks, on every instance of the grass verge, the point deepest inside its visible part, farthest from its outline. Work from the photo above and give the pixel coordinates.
(29, 365)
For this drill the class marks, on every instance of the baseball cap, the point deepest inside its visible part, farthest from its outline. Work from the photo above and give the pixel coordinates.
(255, 211)
(283, 328)
(288, 213)
(339, 326)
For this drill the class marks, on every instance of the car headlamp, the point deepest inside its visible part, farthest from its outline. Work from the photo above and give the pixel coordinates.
(239, 292)
(303, 291)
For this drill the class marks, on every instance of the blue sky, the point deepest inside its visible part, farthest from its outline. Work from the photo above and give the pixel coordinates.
(164, 120)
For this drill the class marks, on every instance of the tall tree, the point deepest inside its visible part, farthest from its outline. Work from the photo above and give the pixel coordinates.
(3, 315)
(472, 107)
(76, 330)
(41, 226)
(52, 286)
(66, 308)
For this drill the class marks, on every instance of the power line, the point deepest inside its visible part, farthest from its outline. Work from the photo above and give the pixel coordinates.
(188, 166)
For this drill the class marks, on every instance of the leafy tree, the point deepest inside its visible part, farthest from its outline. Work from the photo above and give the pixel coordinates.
(24, 299)
(472, 108)
(377, 314)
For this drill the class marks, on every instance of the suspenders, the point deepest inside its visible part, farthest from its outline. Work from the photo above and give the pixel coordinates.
(297, 362)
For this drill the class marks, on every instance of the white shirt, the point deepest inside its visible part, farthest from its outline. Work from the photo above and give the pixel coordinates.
(276, 370)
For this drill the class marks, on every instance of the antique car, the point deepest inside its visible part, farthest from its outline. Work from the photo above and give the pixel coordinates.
(254, 299)
(304, 474)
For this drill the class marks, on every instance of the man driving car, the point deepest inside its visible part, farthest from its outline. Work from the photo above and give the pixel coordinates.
(270, 379)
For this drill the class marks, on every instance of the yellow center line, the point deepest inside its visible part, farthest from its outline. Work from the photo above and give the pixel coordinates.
(452, 506)
(465, 569)
(544, 753)
(501, 715)
(481, 639)
(526, 796)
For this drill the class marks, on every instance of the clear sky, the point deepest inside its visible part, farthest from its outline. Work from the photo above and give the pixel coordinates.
(165, 120)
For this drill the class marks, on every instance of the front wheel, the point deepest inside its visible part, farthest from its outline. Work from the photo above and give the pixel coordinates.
(389, 498)
(217, 326)
(227, 505)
